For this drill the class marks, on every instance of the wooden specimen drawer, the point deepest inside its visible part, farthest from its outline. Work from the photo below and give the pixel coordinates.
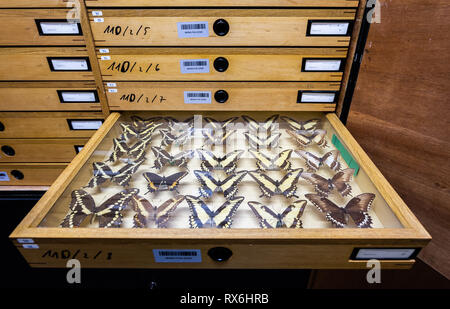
(30, 174)
(234, 64)
(39, 150)
(39, 27)
(45, 63)
(294, 96)
(49, 124)
(49, 96)
(224, 3)
(35, 3)
(131, 198)
(206, 27)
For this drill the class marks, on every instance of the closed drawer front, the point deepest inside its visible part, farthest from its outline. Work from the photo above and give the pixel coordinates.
(49, 63)
(200, 27)
(259, 3)
(39, 27)
(237, 64)
(48, 125)
(49, 96)
(222, 96)
(39, 150)
(35, 3)
(29, 174)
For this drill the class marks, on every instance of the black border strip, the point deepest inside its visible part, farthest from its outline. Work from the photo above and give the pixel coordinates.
(331, 21)
(69, 122)
(341, 67)
(61, 99)
(412, 256)
(300, 92)
(76, 148)
(41, 33)
(49, 60)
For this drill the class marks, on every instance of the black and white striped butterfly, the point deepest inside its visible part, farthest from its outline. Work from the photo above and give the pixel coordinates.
(227, 163)
(210, 185)
(260, 142)
(102, 172)
(279, 161)
(316, 137)
(314, 162)
(160, 215)
(302, 126)
(269, 187)
(289, 218)
(218, 132)
(266, 126)
(164, 158)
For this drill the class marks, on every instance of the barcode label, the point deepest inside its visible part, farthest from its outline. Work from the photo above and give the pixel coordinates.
(197, 97)
(194, 66)
(196, 29)
(177, 256)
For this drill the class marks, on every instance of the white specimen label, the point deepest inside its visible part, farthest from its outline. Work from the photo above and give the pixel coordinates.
(197, 97)
(86, 124)
(111, 84)
(97, 13)
(105, 58)
(322, 65)
(25, 241)
(69, 64)
(194, 66)
(78, 96)
(49, 27)
(103, 50)
(98, 20)
(317, 97)
(177, 256)
(30, 246)
(387, 253)
(195, 29)
(323, 28)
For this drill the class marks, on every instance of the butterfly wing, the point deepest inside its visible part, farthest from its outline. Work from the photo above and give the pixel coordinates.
(223, 216)
(120, 148)
(167, 138)
(123, 176)
(181, 159)
(137, 151)
(209, 185)
(81, 206)
(173, 180)
(229, 186)
(253, 125)
(321, 185)
(358, 208)
(318, 137)
(164, 212)
(269, 123)
(229, 163)
(201, 215)
(209, 160)
(301, 139)
(110, 211)
(333, 213)
(263, 162)
(341, 181)
(281, 161)
(312, 162)
(143, 208)
(101, 173)
(267, 218)
(162, 157)
(154, 181)
(331, 159)
(288, 184)
(266, 184)
(301, 125)
(292, 214)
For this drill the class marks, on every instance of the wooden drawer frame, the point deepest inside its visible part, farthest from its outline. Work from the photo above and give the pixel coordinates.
(253, 248)
(225, 3)
(35, 174)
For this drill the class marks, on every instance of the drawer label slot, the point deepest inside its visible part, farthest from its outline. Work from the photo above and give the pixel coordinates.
(384, 253)
(197, 97)
(62, 64)
(195, 29)
(322, 65)
(82, 124)
(329, 28)
(78, 96)
(316, 97)
(194, 66)
(177, 256)
(58, 27)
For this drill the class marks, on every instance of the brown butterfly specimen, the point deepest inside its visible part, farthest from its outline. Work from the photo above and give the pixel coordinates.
(357, 208)
(314, 163)
(302, 126)
(315, 137)
(323, 186)
(102, 172)
(160, 215)
(142, 124)
(120, 148)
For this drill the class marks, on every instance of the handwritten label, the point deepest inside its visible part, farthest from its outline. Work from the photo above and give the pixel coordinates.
(4, 176)
(85, 124)
(77, 254)
(385, 254)
(195, 29)
(197, 97)
(129, 67)
(72, 96)
(322, 65)
(329, 28)
(177, 256)
(142, 98)
(49, 28)
(117, 30)
(317, 97)
(194, 66)
(70, 64)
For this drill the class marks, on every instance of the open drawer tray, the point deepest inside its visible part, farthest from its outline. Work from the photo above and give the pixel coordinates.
(250, 203)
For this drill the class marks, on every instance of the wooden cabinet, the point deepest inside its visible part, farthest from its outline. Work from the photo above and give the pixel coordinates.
(30, 174)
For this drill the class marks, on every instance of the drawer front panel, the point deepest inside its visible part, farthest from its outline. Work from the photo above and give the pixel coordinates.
(215, 64)
(243, 3)
(39, 150)
(220, 27)
(69, 63)
(219, 96)
(29, 174)
(24, 96)
(34, 3)
(39, 27)
(48, 125)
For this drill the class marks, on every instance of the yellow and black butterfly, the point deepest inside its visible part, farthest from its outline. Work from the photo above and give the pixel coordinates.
(217, 125)
(227, 163)
(163, 183)
(315, 137)
(160, 215)
(141, 124)
(210, 185)
(257, 142)
(286, 186)
(163, 158)
(302, 126)
(216, 139)
(139, 149)
(217, 132)
(279, 161)
(129, 131)
(313, 162)
(357, 208)
(169, 138)
(120, 148)
(102, 172)
(266, 126)
(202, 216)
(109, 213)
(324, 186)
(289, 218)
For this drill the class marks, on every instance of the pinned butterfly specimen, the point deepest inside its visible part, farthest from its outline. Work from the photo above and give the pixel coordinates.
(141, 124)
(160, 215)
(109, 213)
(313, 162)
(176, 124)
(163, 183)
(170, 138)
(227, 163)
(217, 125)
(129, 131)
(324, 186)
(316, 137)
(209, 184)
(302, 126)
(202, 216)
(263, 142)
(357, 208)
(289, 218)
(265, 126)
(217, 132)
(138, 150)
(163, 158)
(120, 149)
(279, 161)
(286, 186)
(102, 172)
(217, 139)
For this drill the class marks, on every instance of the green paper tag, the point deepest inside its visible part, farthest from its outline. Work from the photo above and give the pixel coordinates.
(345, 154)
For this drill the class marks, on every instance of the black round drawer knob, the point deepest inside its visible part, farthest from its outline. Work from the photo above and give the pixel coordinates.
(17, 174)
(221, 96)
(221, 64)
(2, 126)
(8, 150)
(220, 254)
(221, 27)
